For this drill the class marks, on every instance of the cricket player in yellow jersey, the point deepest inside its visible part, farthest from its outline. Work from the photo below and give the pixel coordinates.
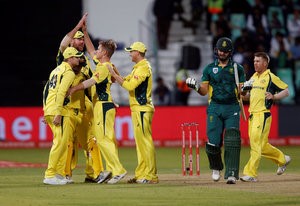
(85, 130)
(139, 85)
(263, 89)
(104, 108)
(57, 115)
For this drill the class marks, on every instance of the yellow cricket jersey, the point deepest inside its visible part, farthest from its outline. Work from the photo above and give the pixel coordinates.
(55, 90)
(139, 85)
(266, 82)
(77, 100)
(103, 78)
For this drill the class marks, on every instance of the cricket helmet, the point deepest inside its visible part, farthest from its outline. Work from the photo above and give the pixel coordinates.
(224, 44)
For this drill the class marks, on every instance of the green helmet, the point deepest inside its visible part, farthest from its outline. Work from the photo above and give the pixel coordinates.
(224, 44)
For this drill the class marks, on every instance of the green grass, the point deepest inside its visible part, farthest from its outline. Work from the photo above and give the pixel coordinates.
(23, 186)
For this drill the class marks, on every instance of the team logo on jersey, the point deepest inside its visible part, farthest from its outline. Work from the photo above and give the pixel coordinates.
(231, 70)
(136, 77)
(211, 118)
(215, 70)
(263, 81)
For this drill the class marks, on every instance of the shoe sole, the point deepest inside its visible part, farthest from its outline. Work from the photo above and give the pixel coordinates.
(55, 183)
(231, 182)
(247, 180)
(216, 180)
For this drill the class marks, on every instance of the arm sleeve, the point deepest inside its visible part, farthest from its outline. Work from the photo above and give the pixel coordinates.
(64, 85)
(279, 83)
(242, 76)
(205, 76)
(136, 79)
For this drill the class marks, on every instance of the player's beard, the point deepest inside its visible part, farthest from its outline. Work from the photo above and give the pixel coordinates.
(224, 58)
(77, 69)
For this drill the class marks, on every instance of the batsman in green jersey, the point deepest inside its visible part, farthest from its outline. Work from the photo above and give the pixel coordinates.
(219, 81)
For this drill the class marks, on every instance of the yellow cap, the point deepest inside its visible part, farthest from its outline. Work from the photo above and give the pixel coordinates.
(71, 52)
(78, 35)
(137, 46)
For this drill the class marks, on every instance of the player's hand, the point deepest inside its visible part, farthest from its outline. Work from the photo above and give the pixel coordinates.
(192, 83)
(111, 70)
(247, 86)
(113, 79)
(57, 120)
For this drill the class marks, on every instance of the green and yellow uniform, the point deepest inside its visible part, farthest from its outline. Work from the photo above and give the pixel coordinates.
(223, 110)
(139, 85)
(223, 114)
(104, 117)
(55, 103)
(260, 121)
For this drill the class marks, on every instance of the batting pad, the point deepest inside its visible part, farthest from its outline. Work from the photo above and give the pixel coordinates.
(214, 157)
(232, 147)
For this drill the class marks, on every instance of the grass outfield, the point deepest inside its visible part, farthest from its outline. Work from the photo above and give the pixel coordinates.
(23, 185)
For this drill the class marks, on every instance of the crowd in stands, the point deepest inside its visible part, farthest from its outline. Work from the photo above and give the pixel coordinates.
(272, 26)
(269, 26)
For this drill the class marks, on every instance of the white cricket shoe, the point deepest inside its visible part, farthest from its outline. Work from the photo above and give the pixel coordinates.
(103, 176)
(116, 178)
(231, 180)
(216, 175)
(54, 181)
(145, 181)
(282, 168)
(247, 178)
(67, 178)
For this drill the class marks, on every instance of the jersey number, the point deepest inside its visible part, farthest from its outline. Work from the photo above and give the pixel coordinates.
(53, 81)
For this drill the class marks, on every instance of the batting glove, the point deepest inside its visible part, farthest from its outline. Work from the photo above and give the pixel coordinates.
(192, 83)
(247, 86)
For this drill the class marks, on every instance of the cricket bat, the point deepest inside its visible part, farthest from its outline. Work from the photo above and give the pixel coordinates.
(236, 76)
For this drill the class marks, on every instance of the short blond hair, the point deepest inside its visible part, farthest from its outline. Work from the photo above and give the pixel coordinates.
(263, 55)
(109, 45)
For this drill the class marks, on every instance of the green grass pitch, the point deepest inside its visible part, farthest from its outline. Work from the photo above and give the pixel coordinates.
(23, 186)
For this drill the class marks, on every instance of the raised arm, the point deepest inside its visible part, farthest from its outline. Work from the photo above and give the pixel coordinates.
(68, 38)
(87, 40)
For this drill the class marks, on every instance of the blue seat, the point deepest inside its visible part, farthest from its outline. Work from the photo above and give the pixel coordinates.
(238, 22)
(286, 75)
